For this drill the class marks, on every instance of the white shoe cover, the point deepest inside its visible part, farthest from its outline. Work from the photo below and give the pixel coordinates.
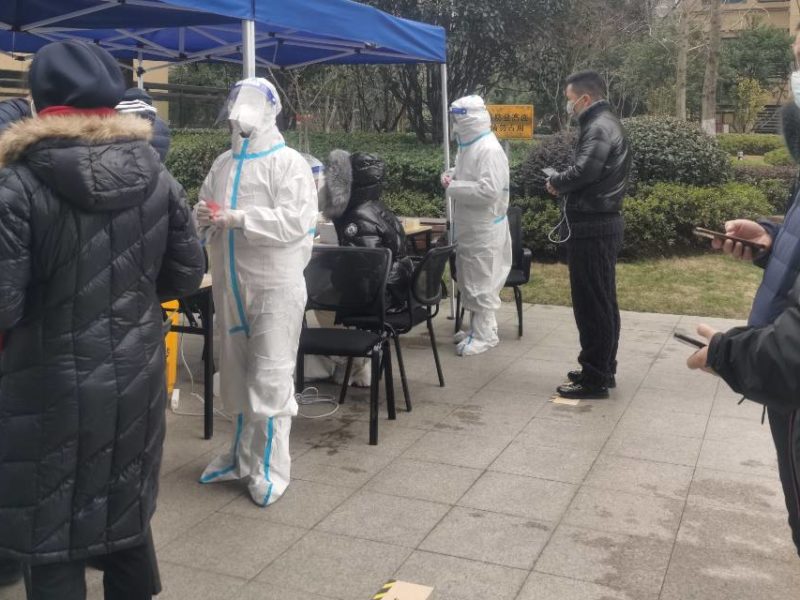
(226, 467)
(460, 336)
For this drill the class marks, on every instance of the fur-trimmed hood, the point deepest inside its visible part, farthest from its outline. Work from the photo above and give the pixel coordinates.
(338, 184)
(790, 126)
(97, 163)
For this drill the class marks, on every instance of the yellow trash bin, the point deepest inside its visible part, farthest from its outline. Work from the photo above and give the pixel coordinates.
(171, 344)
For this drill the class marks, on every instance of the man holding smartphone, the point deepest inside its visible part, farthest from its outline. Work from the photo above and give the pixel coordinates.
(592, 190)
(761, 361)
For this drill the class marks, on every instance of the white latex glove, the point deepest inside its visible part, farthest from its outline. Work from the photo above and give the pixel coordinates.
(447, 179)
(203, 214)
(229, 219)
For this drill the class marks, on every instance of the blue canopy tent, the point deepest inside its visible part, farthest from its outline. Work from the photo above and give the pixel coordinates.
(267, 33)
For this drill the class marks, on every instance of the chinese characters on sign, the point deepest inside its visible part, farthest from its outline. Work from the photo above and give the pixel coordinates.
(512, 121)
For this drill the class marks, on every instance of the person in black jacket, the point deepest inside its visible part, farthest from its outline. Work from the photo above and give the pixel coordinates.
(13, 110)
(352, 201)
(593, 189)
(94, 232)
(762, 361)
(138, 102)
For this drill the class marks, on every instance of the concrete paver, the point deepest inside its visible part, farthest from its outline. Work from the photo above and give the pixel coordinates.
(487, 491)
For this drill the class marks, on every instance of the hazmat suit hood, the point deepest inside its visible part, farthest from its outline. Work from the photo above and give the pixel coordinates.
(338, 184)
(470, 119)
(252, 111)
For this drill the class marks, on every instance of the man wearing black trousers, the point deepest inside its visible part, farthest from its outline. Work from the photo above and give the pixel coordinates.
(592, 190)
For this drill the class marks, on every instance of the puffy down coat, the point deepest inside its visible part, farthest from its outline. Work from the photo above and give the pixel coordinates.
(598, 178)
(354, 187)
(93, 231)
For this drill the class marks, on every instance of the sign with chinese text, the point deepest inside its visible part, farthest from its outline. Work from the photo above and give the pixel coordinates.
(512, 121)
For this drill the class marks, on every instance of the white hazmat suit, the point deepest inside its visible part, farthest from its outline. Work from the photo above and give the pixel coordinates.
(259, 231)
(479, 188)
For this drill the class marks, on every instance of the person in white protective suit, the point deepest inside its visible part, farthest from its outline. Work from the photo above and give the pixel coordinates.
(479, 189)
(258, 214)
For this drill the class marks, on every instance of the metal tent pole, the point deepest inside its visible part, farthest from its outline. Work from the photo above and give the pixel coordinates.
(446, 147)
(140, 72)
(249, 48)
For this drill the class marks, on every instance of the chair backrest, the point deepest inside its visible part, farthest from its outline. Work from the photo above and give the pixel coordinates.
(426, 284)
(348, 281)
(515, 226)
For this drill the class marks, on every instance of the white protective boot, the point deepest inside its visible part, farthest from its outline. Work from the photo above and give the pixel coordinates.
(484, 336)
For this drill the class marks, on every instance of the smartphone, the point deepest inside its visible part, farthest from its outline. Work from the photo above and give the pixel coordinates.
(549, 171)
(718, 235)
(689, 341)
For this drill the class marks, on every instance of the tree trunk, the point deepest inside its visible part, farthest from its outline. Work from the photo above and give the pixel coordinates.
(709, 115)
(683, 61)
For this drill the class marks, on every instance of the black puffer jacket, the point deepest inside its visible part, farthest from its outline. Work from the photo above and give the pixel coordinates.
(13, 110)
(93, 231)
(598, 178)
(139, 102)
(362, 219)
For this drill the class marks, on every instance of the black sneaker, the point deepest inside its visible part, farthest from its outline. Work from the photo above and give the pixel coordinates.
(577, 376)
(582, 391)
(10, 572)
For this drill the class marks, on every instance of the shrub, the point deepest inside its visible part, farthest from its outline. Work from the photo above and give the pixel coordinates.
(539, 217)
(660, 221)
(555, 152)
(191, 155)
(663, 148)
(776, 183)
(779, 158)
(754, 144)
(414, 204)
(667, 149)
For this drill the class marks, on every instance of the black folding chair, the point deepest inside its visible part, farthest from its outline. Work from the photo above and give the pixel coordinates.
(522, 258)
(350, 281)
(422, 306)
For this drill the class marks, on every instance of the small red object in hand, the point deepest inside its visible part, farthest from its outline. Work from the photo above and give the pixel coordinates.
(215, 208)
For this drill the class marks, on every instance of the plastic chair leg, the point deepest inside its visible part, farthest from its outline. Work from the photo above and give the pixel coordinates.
(435, 349)
(300, 373)
(373, 397)
(387, 367)
(346, 380)
(518, 300)
(403, 378)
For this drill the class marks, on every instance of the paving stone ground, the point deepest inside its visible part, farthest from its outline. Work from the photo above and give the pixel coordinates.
(488, 491)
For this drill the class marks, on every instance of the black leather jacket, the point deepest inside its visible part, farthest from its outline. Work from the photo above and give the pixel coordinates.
(597, 180)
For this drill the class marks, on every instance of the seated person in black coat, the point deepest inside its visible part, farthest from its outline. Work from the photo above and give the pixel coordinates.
(354, 184)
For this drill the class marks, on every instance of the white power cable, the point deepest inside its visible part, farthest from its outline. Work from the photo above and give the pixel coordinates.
(310, 397)
(192, 393)
(555, 234)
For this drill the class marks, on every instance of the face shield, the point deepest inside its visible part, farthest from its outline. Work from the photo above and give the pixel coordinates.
(469, 118)
(252, 104)
(456, 113)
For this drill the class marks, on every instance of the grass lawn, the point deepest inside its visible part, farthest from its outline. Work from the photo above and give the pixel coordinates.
(750, 160)
(709, 285)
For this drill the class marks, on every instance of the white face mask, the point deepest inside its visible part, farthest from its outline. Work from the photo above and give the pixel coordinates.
(571, 106)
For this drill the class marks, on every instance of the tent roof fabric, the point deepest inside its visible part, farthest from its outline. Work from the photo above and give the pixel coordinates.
(289, 33)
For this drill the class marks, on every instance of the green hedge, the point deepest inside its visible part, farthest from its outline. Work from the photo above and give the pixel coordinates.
(775, 182)
(663, 149)
(667, 149)
(752, 144)
(779, 158)
(659, 221)
(410, 165)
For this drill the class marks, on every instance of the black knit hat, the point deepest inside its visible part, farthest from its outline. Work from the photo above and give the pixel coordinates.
(77, 74)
